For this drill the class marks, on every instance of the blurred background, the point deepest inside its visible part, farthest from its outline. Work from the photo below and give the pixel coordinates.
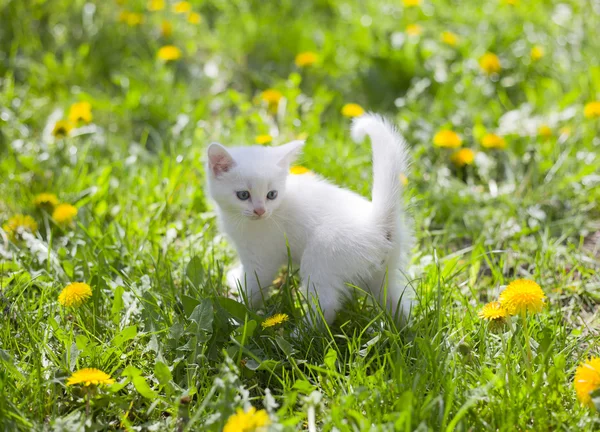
(106, 109)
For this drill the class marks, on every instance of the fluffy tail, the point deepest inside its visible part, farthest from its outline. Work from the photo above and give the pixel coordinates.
(390, 159)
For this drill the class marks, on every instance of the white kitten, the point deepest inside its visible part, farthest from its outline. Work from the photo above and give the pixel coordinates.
(336, 236)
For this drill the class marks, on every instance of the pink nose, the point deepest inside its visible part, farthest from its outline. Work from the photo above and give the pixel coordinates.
(259, 211)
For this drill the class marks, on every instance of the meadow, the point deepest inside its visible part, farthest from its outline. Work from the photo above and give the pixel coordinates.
(113, 310)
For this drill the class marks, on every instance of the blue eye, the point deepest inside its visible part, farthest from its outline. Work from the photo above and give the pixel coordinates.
(243, 195)
(272, 195)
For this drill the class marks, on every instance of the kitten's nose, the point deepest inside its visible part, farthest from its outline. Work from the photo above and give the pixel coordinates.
(259, 211)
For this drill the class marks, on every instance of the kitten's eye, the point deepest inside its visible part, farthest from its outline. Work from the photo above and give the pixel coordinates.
(243, 195)
(272, 195)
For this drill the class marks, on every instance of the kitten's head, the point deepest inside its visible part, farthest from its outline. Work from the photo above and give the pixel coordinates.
(250, 181)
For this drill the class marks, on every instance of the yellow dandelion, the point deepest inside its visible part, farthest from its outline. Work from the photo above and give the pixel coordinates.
(411, 3)
(250, 421)
(19, 223)
(414, 30)
(275, 320)
(45, 200)
(90, 376)
(307, 58)
(123, 15)
(299, 170)
(522, 296)
(587, 380)
(493, 141)
(352, 110)
(493, 311)
(75, 294)
(545, 131)
(447, 138)
(490, 63)
(592, 109)
(512, 2)
(565, 131)
(263, 139)
(403, 179)
(166, 29)
(64, 213)
(80, 112)
(449, 38)
(134, 19)
(62, 128)
(271, 96)
(156, 5)
(537, 52)
(182, 7)
(169, 53)
(463, 157)
(194, 18)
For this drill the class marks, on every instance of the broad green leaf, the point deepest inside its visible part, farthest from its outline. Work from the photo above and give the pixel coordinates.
(202, 316)
(285, 346)
(124, 335)
(162, 373)
(143, 388)
(303, 386)
(330, 359)
(117, 305)
(195, 272)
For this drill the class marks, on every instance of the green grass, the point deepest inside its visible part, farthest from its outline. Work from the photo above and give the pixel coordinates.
(184, 355)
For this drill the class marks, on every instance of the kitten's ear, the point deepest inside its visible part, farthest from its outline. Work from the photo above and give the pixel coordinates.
(219, 159)
(289, 152)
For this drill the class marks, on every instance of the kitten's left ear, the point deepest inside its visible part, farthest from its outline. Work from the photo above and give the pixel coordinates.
(289, 152)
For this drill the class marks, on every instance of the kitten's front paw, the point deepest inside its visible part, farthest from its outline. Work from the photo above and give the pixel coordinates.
(235, 278)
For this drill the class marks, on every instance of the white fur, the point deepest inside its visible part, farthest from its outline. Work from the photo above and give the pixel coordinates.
(336, 236)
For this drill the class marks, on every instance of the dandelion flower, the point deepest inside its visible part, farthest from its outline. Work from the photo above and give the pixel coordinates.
(64, 213)
(592, 109)
(275, 320)
(306, 58)
(411, 3)
(45, 200)
(449, 38)
(250, 421)
(447, 138)
(166, 29)
(414, 30)
(545, 131)
(80, 112)
(194, 18)
(565, 131)
(493, 311)
(587, 379)
(182, 7)
(134, 19)
(490, 63)
(19, 223)
(156, 5)
(263, 139)
(463, 157)
(493, 141)
(403, 179)
(90, 376)
(62, 129)
(522, 296)
(352, 110)
(512, 2)
(169, 53)
(537, 52)
(299, 170)
(75, 294)
(271, 96)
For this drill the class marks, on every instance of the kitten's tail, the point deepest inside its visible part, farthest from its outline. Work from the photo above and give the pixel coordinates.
(390, 159)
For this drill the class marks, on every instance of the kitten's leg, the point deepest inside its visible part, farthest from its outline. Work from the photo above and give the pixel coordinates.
(399, 296)
(321, 287)
(251, 277)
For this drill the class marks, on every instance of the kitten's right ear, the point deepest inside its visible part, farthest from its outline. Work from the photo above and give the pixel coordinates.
(219, 159)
